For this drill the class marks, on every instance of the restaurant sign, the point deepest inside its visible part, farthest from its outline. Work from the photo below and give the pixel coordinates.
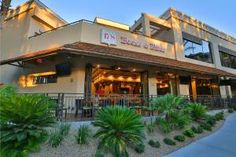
(110, 38)
(145, 45)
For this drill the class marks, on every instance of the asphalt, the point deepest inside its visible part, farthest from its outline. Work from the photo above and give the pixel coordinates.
(222, 143)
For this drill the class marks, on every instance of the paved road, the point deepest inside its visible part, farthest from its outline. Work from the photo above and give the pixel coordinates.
(219, 144)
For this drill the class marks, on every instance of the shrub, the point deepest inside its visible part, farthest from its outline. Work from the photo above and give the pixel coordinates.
(169, 141)
(99, 153)
(139, 148)
(211, 120)
(57, 135)
(197, 110)
(154, 144)
(188, 133)
(55, 138)
(164, 126)
(206, 126)
(233, 106)
(83, 134)
(174, 112)
(167, 103)
(118, 127)
(179, 138)
(230, 110)
(23, 119)
(219, 116)
(179, 119)
(64, 129)
(197, 130)
(150, 128)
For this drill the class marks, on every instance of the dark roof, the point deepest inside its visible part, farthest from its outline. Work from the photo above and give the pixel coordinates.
(111, 52)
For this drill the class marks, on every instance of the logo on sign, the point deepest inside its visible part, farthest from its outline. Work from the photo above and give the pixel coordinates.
(108, 37)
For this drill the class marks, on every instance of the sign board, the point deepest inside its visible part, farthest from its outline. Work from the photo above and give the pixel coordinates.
(108, 37)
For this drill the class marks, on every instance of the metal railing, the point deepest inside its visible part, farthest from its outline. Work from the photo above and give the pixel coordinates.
(77, 107)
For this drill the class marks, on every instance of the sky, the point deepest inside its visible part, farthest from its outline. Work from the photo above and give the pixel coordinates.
(219, 14)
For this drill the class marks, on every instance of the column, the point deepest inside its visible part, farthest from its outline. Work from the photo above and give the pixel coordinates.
(144, 83)
(88, 80)
(194, 89)
(152, 84)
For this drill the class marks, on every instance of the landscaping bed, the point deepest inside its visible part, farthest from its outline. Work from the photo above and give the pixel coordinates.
(70, 148)
(29, 128)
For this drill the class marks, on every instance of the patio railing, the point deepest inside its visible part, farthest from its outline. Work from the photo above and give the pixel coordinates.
(76, 107)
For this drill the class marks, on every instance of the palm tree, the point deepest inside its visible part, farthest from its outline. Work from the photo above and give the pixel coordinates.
(118, 127)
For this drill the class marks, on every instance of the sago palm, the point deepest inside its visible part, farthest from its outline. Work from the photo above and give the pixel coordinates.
(22, 122)
(168, 103)
(197, 110)
(118, 127)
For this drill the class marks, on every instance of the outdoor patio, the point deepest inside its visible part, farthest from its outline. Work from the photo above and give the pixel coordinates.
(77, 107)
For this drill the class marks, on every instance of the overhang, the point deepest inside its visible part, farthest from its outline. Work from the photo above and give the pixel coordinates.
(87, 49)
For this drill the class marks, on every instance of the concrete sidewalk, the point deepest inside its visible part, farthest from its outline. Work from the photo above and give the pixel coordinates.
(222, 143)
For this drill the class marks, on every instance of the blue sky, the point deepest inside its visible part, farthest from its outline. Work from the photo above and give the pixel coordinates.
(220, 14)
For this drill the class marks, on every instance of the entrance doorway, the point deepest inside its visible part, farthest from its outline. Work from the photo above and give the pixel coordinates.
(107, 81)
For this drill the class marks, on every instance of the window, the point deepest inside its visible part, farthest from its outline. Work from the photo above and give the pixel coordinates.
(45, 79)
(228, 60)
(198, 51)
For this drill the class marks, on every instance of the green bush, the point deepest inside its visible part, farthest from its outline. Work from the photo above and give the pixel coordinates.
(197, 111)
(99, 153)
(168, 103)
(58, 134)
(233, 106)
(118, 127)
(169, 141)
(164, 126)
(189, 133)
(173, 108)
(64, 129)
(219, 116)
(197, 130)
(139, 148)
(55, 138)
(150, 127)
(211, 120)
(23, 119)
(230, 110)
(179, 119)
(179, 138)
(206, 126)
(154, 144)
(83, 134)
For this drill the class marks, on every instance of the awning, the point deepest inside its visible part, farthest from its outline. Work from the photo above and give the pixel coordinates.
(87, 49)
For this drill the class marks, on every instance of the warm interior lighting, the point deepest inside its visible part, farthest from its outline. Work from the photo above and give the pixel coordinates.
(111, 77)
(28, 80)
(43, 73)
(111, 23)
(164, 85)
(134, 70)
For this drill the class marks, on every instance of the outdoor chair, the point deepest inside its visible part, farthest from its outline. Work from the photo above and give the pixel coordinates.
(78, 106)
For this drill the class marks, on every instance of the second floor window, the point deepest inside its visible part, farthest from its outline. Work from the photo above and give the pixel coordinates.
(228, 60)
(198, 51)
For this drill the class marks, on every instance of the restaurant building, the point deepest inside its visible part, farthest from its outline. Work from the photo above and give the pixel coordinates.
(173, 53)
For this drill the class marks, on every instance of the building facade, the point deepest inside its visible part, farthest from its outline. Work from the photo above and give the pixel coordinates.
(173, 53)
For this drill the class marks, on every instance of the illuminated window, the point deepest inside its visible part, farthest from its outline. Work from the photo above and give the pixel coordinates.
(33, 80)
